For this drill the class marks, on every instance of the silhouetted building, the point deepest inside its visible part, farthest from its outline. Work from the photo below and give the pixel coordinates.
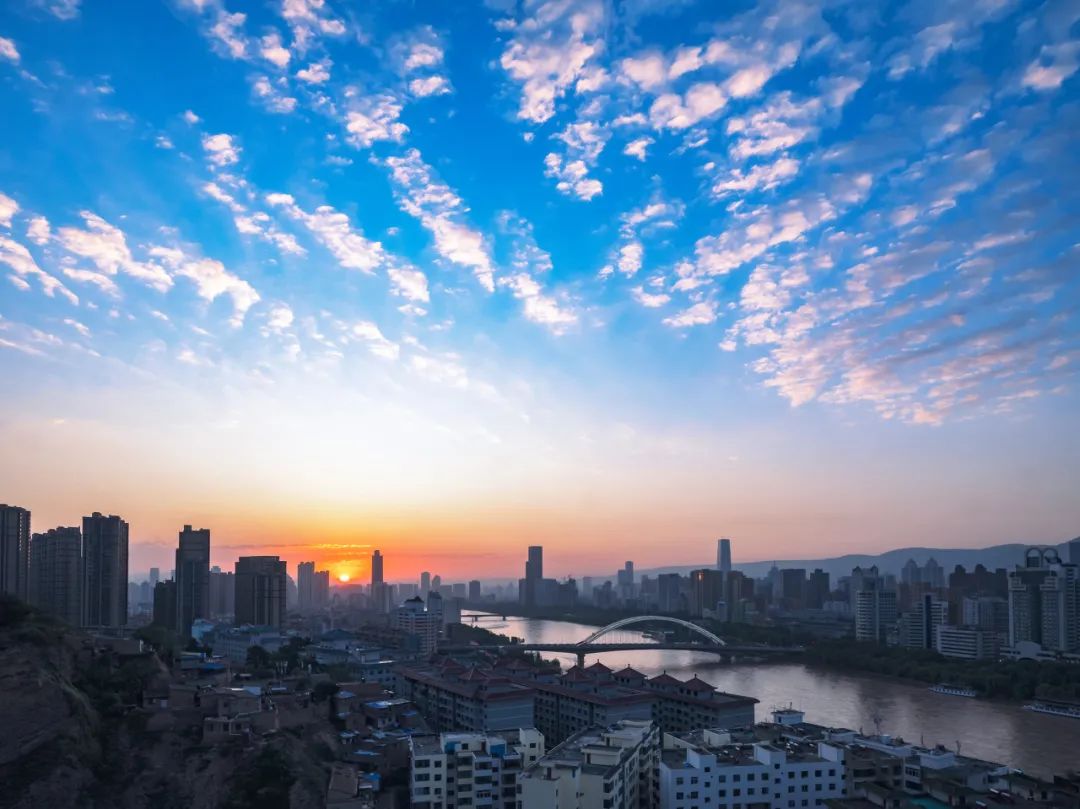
(260, 591)
(165, 604)
(14, 550)
(192, 577)
(322, 588)
(817, 589)
(669, 592)
(377, 568)
(222, 593)
(105, 570)
(1044, 603)
(706, 591)
(792, 585)
(534, 574)
(474, 590)
(723, 555)
(917, 629)
(305, 586)
(55, 583)
(874, 605)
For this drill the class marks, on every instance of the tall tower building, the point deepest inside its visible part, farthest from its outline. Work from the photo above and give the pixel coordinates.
(14, 550)
(192, 577)
(875, 606)
(376, 568)
(305, 586)
(723, 555)
(260, 591)
(425, 583)
(155, 577)
(104, 570)
(534, 575)
(321, 588)
(55, 584)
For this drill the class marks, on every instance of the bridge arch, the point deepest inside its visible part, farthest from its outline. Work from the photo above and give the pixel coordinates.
(640, 619)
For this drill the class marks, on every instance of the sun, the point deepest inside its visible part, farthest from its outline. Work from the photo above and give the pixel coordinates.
(343, 578)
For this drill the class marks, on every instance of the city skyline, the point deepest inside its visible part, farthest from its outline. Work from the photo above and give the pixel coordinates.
(451, 280)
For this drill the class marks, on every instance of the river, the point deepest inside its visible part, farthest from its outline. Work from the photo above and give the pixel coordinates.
(994, 730)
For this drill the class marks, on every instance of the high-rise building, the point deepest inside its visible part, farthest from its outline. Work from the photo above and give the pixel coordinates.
(817, 589)
(534, 575)
(474, 590)
(321, 592)
(425, 583)
(917, 628)
(1044, 603)
(155, 577)
(792, 587)
(260, 591)
(55, 564)
(706, 591)
(668, 592)
(1074, 551)
(305, 586)
(421, 624)
(222, 593)
(14, 550)
(192, 577)
(377, 567)
(165, 604)
(874, 604)
(723, 555)
(104, 570)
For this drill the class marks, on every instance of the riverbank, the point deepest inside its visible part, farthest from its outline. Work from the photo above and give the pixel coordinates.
(1006, 680)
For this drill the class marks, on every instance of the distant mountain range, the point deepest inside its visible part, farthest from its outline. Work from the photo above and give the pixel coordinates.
(1006, 556)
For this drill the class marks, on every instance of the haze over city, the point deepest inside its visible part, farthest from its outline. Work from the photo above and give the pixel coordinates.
(451, 279)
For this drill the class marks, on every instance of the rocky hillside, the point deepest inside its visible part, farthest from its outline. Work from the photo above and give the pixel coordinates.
(72, 735)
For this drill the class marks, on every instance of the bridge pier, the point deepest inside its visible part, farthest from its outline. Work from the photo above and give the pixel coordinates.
(581, 659)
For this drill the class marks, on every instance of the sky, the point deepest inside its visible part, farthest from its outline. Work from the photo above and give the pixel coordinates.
(450, 279)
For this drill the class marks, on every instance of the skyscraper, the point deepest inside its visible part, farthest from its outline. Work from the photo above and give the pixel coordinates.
(192, 577)
(723, 555)
(260, 591)
(425, 583)
(321, 588)
(376, 568)
(14, 550)
(104, 570)
(222, 593)
(534, 574)
(305, 586)
(875, 605)
(155, 577)
(55, 585)
(1044, 602)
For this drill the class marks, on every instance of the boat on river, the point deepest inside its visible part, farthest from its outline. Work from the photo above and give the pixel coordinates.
(1067, 709)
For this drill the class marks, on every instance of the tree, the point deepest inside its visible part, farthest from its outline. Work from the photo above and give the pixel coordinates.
(258, 658)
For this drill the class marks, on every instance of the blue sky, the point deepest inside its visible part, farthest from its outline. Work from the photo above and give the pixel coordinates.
(540, 268)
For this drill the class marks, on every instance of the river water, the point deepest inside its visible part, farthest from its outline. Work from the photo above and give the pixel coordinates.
(994, 730)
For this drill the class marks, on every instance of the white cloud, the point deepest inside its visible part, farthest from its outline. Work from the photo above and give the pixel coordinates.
(377, 344)
(8, 209)
(758, 178)
(373, 118)
(630, 256)
(672, 111)
(572, 177)
(549, 50)
(429, 86)
(699, 314)
(18, 258)
(308, 19)
(649, 299)
(227, 31)
(38, 230)
(273, 98)
(8, 50)
(221, 149)
(638, 147)
(1055, 64)
(441, 211)
(648, 71)
(316, 72)
(272, 50)
(444, 371)
(106, 247)
(538, 307)
(211, 280)
(353, 250)
(81, 328)
(191, 118)
(63, 9)
(279, 318)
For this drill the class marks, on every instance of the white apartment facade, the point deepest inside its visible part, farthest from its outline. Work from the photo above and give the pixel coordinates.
(703, 770)
(471, 770)
(597, 768)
